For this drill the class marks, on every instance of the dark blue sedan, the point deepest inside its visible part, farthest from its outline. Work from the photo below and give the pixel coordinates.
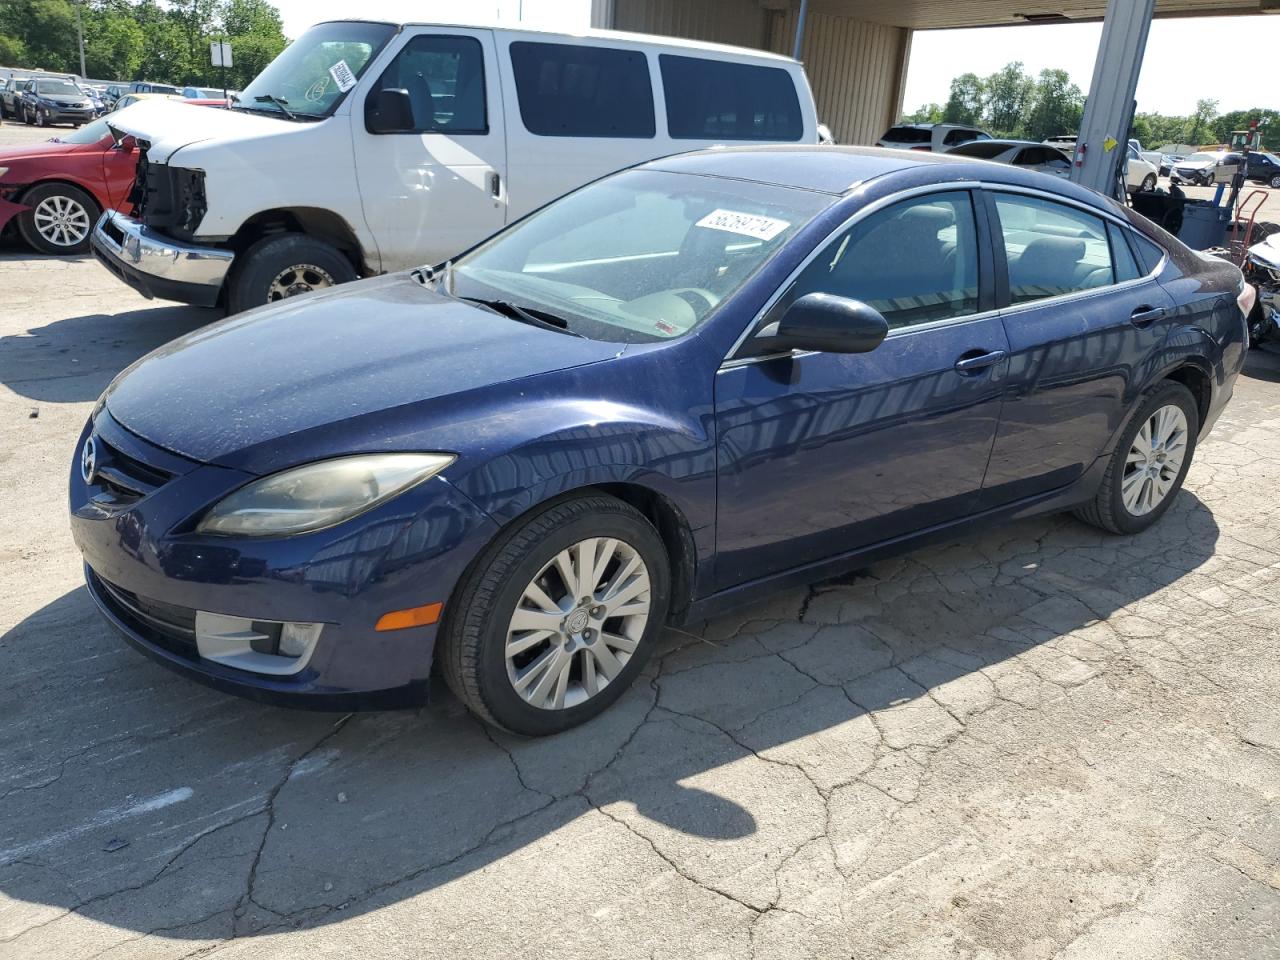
(696, 380)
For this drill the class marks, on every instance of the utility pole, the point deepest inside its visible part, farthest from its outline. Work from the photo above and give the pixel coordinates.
(80, 37)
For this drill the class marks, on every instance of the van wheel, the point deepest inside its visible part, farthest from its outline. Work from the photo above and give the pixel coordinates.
(1149, 463)
(59, 218)
(557, 617)
(283, 266)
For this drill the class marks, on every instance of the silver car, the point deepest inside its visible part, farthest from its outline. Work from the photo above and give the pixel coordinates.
(1018, 153)
(1205, 169)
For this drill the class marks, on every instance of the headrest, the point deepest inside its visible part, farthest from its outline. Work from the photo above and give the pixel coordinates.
(1050, 251)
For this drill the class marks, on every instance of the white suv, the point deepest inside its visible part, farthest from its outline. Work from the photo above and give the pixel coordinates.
(367, 147)
(938, 137)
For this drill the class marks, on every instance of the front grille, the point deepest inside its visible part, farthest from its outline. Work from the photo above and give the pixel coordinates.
(124, 480)
(166, 625)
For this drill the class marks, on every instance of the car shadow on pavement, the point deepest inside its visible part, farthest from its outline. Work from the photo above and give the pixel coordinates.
(1263, 363)
(73, 360)
(134, 797)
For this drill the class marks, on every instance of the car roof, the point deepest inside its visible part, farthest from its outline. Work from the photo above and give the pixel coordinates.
(614, 36)
(838, 169)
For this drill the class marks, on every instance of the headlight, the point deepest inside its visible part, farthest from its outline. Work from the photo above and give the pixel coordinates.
(319, 494)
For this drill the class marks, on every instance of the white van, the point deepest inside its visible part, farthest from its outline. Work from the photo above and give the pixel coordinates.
(367, 147)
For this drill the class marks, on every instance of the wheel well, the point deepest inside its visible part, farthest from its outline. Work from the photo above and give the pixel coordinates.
(313, 221)
(62, 182)
(673, 528)
(1197, 381)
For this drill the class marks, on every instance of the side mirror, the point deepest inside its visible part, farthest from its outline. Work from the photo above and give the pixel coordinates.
(827, 324)
(389, 111)
(127, 145)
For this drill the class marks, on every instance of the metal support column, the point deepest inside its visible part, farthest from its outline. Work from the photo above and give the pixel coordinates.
(800, 22)
(1109, 110)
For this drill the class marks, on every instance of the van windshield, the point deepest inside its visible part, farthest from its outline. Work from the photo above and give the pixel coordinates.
(313, 74)
(639, 257)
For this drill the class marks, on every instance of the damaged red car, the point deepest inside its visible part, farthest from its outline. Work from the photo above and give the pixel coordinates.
(52, 193)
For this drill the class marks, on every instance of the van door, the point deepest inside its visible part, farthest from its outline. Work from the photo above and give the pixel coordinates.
(582, 111)
(431, 193)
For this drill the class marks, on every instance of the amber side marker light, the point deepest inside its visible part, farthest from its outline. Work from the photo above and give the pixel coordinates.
(413, 617)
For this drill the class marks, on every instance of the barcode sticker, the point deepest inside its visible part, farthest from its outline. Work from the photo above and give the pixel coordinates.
(342, 76)
(746, 224)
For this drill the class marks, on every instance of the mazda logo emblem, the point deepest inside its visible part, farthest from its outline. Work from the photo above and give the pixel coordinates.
(89, 460)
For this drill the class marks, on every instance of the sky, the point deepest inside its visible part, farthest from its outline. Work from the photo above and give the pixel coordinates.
(1186, 60)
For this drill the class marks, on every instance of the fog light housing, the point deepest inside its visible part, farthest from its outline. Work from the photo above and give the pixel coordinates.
(272, 647)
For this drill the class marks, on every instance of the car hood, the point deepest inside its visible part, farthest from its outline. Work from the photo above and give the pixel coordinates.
(1195, 164)
(49, 148)
(369, 347)
(169, 125)
(1268, 251)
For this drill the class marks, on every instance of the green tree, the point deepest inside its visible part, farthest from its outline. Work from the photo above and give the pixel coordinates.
(1009, 92)
(967, 100)
(1268, 124)
(929, 113)
(1201, 121)
(1056, 108)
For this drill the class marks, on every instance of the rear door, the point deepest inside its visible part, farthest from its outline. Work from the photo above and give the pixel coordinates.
(430, 193)
(1083, 321)
(819, 454)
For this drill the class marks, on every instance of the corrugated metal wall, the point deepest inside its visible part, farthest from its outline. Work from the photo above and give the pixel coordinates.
(856, 68)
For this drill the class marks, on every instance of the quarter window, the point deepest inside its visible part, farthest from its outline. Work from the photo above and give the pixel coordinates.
(1052, 249)
(915, 262)
(715, 100)
(445, 80)
(1126, 266)
(567, 90)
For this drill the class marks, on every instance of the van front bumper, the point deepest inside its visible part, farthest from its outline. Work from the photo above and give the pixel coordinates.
(158, 266)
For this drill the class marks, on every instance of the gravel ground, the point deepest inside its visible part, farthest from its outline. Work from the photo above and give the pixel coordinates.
(1038, 742)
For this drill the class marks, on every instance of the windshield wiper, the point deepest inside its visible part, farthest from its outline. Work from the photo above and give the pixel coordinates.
(433, 278)
(280, 102)
(535, 318)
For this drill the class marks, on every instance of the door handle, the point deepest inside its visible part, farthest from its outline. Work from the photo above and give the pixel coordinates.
(495, 184)
(975, 361)
(1144, 316)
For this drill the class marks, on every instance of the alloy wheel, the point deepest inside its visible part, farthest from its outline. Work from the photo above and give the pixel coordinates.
(299, 278)
(41, 119)
(577, 623)
(1155, 460)
(61, 221)
(1275, 182)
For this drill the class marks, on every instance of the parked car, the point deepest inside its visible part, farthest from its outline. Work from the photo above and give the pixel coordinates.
(96, 98)
(46, 101)
(202, 93)
(1264, 168)
(345, 130)
(706, 377)
(1205, 169)
(55, 191)
(937, 137)
(10, 89)
(1139, 174)
(1167, 162)
(129, 99)
(1019, 153)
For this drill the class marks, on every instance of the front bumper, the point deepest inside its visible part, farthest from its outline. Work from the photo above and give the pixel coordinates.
(69, 114)
(150, 574)
(1188, 176)
(159, 266)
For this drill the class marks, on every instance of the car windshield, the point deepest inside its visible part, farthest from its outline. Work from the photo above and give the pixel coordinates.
(58, 88)
(315, 72)
(89, 133)
(640, 257)
(1200, 157)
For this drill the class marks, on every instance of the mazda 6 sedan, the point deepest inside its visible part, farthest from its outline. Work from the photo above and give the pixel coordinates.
(699, 379)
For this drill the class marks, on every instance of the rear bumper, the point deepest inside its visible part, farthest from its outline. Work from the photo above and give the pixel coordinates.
(159, 266)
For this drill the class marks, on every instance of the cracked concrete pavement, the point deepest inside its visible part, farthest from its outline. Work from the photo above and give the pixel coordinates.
(1037, 742)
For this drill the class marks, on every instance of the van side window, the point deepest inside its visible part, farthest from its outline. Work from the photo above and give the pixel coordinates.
(568, 90)
(715, 100)
(445, 79)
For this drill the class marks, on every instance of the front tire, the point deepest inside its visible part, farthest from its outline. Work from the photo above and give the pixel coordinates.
(1210, 179)
(1149, 463)
(557, 617)
(1148, 183)
(283, 266)
(1274, 183)
(59, 219)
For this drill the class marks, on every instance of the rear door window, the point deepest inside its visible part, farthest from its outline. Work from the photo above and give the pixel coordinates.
(716, 100)
(568, 90)
(1052, 249)
(907, 135)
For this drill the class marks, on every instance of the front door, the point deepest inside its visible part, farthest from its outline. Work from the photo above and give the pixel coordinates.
(821, 454)
(431, 193)
(1083, 326)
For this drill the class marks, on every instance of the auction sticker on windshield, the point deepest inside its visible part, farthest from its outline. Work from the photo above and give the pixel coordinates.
(746, 224)
(342, 76)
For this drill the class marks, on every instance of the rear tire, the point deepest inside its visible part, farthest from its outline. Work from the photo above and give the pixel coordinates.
(485, 653)
(1127, 478)
(282, 266)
